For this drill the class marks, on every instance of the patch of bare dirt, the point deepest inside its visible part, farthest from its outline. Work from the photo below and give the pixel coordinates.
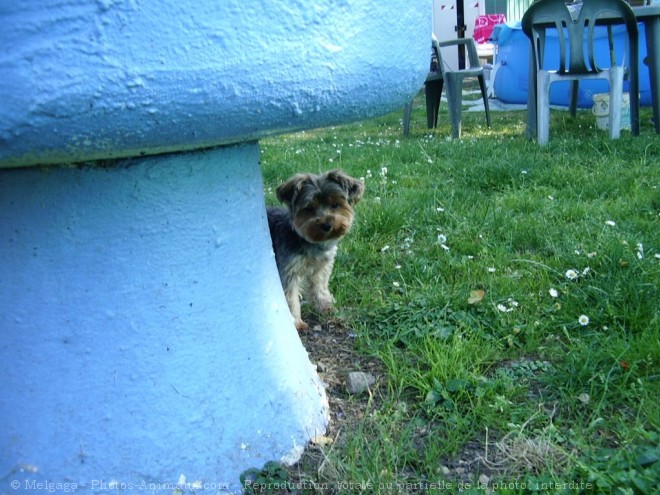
(331, 347)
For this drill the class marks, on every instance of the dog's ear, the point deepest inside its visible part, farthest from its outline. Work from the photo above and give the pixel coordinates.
(288, 190)
(354, 188)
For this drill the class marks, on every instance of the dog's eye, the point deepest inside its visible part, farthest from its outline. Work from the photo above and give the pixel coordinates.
(334, 206)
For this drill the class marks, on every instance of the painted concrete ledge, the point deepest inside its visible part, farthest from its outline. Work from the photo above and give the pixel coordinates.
(85, 80)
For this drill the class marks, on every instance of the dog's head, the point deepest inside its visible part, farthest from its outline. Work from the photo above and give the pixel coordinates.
(321, 206)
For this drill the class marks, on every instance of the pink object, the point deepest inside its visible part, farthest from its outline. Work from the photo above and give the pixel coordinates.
(484, 24)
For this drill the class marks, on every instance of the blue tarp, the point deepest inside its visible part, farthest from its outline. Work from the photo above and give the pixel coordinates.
(511, 79)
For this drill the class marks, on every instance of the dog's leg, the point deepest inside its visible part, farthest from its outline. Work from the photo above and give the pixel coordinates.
(319, 286)
(292, 293)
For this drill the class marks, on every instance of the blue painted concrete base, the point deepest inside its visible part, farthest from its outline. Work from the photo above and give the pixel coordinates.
(145, 336)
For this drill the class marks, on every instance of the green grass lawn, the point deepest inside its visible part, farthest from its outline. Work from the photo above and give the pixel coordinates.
(511, 293)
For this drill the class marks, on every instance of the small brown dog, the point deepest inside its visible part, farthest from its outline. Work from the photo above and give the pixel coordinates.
(318, 213)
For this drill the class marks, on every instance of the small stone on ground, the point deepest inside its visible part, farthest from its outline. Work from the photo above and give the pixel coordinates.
(358, 382)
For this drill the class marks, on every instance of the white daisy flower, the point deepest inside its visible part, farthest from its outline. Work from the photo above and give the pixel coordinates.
(553, 292)
(583, 320)
(507, 309)
(571, 274)
(611, 223)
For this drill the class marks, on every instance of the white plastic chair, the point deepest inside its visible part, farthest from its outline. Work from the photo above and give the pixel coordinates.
(452, 81)
(575, 32)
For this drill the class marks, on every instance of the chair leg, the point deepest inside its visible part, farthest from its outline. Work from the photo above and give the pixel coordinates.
(455, 103)
(616, 99)
(407, 110)
(484, 95)
(531, 130)
(543, 108)
(575, 87)
(433, 91)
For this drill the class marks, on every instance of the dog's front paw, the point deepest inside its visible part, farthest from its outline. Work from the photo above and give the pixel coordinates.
(326, 307)
(301, 326)
(325, 303)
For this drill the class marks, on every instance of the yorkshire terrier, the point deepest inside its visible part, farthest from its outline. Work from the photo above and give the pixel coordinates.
(305, 234)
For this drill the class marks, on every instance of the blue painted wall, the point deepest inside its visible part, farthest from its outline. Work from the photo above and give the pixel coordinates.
(145, 334)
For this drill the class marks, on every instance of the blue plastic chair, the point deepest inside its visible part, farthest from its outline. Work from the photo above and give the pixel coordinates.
(576, 39)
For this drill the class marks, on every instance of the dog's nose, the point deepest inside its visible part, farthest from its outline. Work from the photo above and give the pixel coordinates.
(326, 227)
